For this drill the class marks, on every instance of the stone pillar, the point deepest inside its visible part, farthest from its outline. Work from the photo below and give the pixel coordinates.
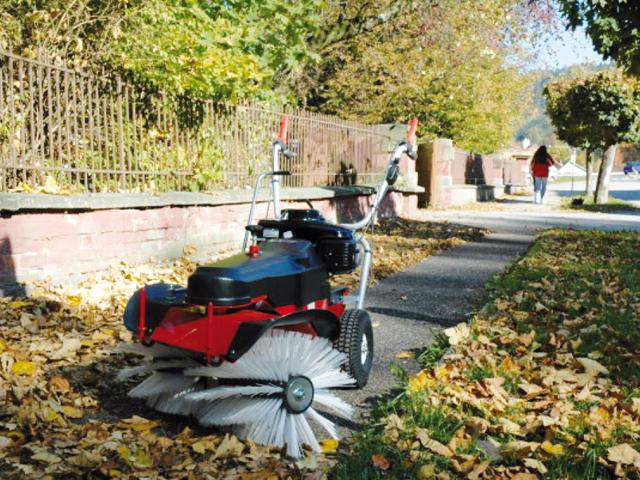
(434, 170)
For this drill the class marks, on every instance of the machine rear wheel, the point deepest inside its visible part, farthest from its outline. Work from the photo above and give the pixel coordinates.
(356, 342)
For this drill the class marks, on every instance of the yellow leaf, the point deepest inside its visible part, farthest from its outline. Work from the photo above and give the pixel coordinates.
(18, 304)
(420, 381)
(72, 412)
(138, 424)
(405, 355)
(85, 459)
(552, 449)
(24, 368)
(203, 445)
(50, 415)
(75, 300)
(123, 451)
(3, 345)
(329, 445)
(426, 472)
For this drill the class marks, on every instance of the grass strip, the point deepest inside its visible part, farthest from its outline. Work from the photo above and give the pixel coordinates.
(543, 384)
(612, 206)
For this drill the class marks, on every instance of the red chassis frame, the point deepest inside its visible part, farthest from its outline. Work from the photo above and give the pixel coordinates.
(213, 334)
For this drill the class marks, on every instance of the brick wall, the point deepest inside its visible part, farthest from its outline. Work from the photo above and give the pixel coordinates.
(65, 245)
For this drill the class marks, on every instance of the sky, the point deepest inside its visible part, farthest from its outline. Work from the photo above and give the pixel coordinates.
(571, 48)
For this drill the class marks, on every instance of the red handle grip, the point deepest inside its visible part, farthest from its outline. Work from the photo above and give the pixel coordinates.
(282, 135)
(411, 133)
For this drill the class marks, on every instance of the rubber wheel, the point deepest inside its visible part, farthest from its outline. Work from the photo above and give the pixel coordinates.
(355, 330)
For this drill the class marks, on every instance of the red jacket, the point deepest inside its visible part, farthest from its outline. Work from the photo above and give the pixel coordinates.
(541, 169)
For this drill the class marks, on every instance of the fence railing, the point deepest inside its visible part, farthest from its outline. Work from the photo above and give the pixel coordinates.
(98, 134)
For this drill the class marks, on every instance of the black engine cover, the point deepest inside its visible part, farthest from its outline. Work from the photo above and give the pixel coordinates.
(335, 244)
(289, 272)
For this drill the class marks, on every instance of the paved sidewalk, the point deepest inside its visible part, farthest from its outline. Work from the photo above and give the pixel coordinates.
(446, 288)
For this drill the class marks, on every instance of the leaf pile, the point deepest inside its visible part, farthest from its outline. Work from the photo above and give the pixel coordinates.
(63, 414)
(543, 384)
(400, 243)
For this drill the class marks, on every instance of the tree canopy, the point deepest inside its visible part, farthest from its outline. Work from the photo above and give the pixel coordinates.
(454, 63)
(596, 111)
(612, 25)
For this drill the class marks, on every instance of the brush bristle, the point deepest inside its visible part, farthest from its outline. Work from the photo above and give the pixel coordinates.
(257, 410)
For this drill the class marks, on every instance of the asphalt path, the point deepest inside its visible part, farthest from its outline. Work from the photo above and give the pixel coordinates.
(445, 289)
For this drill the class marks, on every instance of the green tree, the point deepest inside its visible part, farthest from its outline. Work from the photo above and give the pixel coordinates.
(224, 49)
(446, 61)
(612, 25)
(596, 112)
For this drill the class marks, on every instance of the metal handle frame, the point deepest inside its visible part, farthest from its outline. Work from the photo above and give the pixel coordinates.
(406, 146)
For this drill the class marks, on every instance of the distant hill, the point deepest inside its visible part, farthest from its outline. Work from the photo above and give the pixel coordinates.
(536, 126)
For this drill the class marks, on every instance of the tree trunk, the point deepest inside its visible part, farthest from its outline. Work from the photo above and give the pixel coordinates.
(589, 182)
(602, 189)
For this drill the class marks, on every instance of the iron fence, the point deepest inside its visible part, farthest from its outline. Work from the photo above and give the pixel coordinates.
(95, 133)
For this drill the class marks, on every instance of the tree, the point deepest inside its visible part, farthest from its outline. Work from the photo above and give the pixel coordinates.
(612, 25)
(596, 112)
(449, 62)
(223, 49)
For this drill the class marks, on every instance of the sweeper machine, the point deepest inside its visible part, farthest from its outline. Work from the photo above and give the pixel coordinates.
(255, 341)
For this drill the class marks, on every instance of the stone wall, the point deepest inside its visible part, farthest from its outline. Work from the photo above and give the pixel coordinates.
(62, 238)
(452, 176)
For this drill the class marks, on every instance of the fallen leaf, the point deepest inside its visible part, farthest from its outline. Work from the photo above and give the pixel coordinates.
(72, 412)
(419, 381)
(17, 304)
(229, 447)
(24, 368)
(624, 454)
(524, 476)
(457, 334)
(427, 442)
(518, 449)
(379, 461)
(425, 472)
(203, 445)
(405, 355)
(59, 384)
(591, 367)
(5, 442)
(535, 464)
(478, 470)
(552, 449)
(137, 423)
(329, 445)
(68, 349)
(85, 459)
(46, 457)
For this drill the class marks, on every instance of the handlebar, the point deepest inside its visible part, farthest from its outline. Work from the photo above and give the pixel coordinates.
(407, 146)
(282, 134)
(411, 132)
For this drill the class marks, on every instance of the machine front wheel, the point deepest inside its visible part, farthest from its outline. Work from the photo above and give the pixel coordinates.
(356, 342)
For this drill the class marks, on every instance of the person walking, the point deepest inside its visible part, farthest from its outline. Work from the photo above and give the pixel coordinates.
(540, 164)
